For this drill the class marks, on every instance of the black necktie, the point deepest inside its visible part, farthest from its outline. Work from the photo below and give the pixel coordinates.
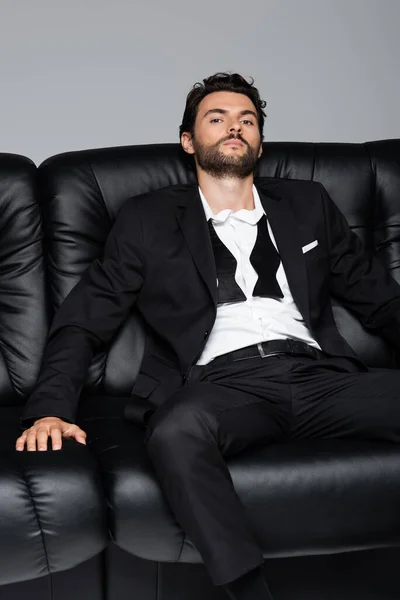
(264, 258)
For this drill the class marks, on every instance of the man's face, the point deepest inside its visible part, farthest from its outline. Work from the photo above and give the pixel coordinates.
(226, 141)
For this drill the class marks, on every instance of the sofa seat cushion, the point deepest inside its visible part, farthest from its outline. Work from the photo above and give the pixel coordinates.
(310, 497)
(52, 512)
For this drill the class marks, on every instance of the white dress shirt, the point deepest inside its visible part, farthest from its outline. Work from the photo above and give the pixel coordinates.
(256, 319)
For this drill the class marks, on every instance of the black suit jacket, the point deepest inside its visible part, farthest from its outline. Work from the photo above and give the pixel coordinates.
(158, 258)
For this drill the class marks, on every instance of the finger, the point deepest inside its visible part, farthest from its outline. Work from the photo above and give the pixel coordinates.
(75, 432)
(56, 438)
(20, 442)
(80, 436)
(31, 440)
(41, 438)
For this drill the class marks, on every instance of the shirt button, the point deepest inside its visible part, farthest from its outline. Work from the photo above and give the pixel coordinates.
(206, 334)
(184, 378)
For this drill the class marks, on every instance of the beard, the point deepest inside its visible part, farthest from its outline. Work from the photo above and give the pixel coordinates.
(219, 165)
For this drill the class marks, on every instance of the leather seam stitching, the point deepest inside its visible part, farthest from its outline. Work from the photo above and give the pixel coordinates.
(314, 162)
(377, 204)
(28, 487)
(99, 189)
(181, 549)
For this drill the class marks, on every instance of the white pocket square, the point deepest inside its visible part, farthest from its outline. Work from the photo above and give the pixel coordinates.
(309, 246)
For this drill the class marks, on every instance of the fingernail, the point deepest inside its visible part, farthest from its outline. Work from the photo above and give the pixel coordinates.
(41, 449)
(57, 447)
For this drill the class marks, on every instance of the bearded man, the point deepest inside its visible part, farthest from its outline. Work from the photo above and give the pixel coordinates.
(234, 280)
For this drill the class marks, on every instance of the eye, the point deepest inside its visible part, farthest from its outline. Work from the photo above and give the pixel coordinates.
(247, 122)
(215, 120)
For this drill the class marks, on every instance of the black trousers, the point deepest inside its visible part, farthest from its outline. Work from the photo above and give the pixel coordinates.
(226, 409)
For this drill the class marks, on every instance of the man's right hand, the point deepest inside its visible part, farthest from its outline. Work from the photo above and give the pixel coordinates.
(49, 427)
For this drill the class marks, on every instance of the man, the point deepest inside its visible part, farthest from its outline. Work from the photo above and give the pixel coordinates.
(234, 281)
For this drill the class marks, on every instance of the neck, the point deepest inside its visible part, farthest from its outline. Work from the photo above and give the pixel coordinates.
(224, 193)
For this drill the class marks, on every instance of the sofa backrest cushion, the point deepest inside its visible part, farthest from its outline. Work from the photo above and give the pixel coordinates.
(83, 191)
(23, 314)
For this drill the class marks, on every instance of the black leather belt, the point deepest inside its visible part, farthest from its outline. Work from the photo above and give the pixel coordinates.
(271, 348)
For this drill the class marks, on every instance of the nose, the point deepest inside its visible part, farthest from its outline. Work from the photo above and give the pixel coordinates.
(235, 127)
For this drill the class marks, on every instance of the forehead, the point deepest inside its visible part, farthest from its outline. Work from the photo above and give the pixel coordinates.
(230, 101)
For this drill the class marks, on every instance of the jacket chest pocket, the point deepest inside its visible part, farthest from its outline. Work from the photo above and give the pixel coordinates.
(312, 253)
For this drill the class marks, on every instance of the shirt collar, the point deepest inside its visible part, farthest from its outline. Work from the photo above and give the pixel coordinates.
(248, 216)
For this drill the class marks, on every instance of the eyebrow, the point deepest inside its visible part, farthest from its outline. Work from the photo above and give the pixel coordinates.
(222, 111)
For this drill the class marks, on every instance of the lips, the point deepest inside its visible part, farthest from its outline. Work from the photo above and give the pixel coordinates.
(233, 143)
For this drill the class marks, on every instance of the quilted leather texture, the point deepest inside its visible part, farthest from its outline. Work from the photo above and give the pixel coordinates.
(23, 319)
(52, 512)
(304, 498)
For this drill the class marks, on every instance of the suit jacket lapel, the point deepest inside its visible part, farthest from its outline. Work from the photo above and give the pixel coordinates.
(286, 233)
(193, 223)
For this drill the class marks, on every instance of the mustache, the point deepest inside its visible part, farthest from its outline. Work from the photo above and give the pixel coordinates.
(233, 137)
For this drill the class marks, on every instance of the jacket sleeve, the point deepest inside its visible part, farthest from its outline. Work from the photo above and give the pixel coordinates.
(359, 280)
(88, 318)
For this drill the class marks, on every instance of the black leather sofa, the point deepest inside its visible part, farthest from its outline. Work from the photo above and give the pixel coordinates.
(52, 512)
(326, 513)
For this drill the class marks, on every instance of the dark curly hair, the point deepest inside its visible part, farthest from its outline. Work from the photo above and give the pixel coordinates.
(221, 82)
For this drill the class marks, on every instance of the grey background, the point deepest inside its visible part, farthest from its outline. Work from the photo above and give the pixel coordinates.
(93, 73)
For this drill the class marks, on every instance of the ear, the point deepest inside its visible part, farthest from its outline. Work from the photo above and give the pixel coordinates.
(260, 151)
(187, 143)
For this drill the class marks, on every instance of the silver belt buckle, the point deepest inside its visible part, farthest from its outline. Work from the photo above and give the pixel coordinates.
(262, 353)
(261, 350)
